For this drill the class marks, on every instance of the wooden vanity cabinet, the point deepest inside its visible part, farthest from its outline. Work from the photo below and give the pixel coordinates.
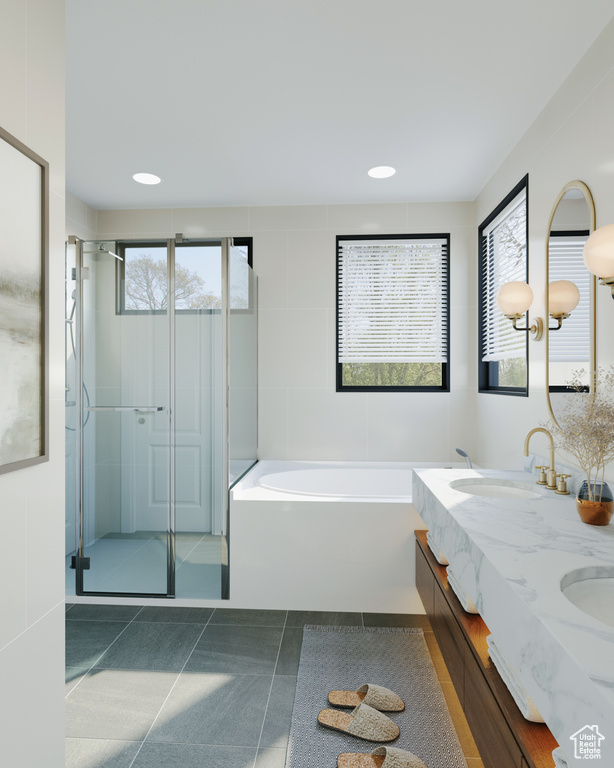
(503, 736)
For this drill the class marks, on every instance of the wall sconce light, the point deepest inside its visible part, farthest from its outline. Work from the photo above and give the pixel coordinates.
(515, 298)
(599, 255)
(563, 298)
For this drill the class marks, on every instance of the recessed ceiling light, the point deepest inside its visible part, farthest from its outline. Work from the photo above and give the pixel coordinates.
(381, 172)
(146, 178)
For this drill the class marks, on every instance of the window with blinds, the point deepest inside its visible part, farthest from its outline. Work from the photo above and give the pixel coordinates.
(503, 245)
(393, 312)
(569, 347)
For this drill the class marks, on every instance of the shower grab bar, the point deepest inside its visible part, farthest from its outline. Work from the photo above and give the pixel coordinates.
(123, 408)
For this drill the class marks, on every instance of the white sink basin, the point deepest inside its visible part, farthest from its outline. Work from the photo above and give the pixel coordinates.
(497, 488)
(591, 590)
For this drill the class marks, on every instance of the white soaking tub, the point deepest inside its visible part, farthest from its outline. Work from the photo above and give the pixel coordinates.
(325, 536)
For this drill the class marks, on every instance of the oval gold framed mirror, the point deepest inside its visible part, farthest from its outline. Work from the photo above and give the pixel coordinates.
(571, 347)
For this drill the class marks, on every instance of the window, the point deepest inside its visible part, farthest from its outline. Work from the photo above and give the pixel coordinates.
(393, 313)
(503, 244)
(142, 276)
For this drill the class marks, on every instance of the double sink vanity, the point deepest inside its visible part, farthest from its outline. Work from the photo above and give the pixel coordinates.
(543, 584)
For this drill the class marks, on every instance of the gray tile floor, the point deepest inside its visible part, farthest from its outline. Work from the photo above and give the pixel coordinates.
(191, 687)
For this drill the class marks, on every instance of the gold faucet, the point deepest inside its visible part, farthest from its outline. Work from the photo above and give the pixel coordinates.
(551, 482)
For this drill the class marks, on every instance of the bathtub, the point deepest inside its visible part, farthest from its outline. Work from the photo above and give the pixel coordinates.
(337, 480)
(325, 536)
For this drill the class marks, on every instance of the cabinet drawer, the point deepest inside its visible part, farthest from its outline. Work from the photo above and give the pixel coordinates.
(451, 642)
(498, 747)
(425, 582)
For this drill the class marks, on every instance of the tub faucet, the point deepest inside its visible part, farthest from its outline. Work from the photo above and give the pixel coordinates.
(551, 478)
(465, 456)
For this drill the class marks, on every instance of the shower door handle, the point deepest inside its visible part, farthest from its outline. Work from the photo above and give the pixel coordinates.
(127, 408)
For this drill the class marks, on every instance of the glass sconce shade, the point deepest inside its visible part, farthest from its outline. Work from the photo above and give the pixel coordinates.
(514, 298)
(599, 252)
(563, 297)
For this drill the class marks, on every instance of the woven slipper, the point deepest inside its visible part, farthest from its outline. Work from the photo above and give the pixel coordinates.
(375, 696)
(364, 722)
(381, 757)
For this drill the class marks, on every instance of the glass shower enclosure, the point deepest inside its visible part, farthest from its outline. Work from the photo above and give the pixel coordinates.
(161, 412)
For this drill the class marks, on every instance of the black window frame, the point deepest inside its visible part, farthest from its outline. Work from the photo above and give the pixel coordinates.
(488, 371)
(445, 367)
(120, 296)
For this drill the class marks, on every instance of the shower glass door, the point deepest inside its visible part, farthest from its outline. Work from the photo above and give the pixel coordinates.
(198, 424)
(148, 339)
(125, 447)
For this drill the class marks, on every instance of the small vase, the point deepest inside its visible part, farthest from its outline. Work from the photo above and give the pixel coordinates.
(599, 510)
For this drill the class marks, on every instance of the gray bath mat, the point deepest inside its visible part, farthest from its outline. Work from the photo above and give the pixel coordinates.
(346, 657)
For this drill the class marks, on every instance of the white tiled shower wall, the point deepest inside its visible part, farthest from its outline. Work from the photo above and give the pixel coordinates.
(32, 499)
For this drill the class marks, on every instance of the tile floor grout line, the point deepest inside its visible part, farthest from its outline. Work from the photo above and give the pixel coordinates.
(89, 669)
(155, 720)
(266, 709)
(140, 669)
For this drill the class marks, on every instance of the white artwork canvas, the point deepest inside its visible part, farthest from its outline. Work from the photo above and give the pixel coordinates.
(22, 306)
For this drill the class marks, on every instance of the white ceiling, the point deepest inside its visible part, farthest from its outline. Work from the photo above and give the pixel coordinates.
(289, 102)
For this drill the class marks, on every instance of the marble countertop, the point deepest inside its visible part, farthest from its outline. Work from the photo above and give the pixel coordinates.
(510, 555)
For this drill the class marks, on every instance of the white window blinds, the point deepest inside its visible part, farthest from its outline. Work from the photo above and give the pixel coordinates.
(504, 258)
(392, 300)
(570, 344)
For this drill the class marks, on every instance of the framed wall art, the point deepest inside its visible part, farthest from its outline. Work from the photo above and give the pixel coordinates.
(24, 256)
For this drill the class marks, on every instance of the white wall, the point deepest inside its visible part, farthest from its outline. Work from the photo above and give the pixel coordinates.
(300, 414)
(571, 139)
(32, 500)
(81, 219)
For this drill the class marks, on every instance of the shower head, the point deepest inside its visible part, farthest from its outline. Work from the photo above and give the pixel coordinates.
(465, 455)
(106, 250)
(102, 249)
